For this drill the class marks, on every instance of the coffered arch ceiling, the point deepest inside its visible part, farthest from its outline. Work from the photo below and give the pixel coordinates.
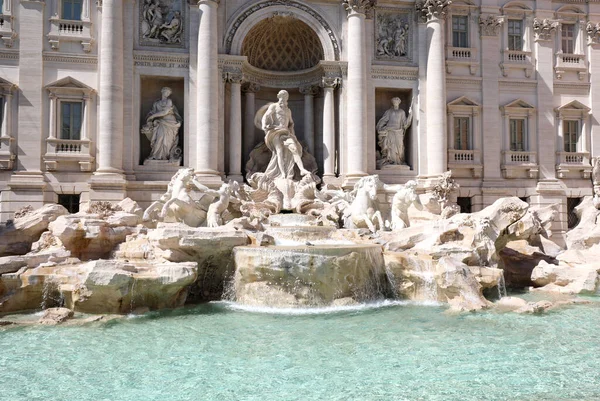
(282, 43)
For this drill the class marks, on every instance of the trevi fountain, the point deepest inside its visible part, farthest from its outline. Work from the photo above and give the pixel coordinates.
(284, 287)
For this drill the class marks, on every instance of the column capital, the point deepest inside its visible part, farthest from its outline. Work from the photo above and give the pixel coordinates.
(250, 87)
(544, 28)
(428, 10)
(359, 6)
(233, 77)
(200, 2)
(490, 24)
(330, 82)
(309, 90)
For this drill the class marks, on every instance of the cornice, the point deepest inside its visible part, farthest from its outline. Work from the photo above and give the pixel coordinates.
(70, 58)
(166, 60)
(9, 55)
(395, 73)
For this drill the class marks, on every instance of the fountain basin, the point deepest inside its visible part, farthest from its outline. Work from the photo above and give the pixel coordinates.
(300, 276)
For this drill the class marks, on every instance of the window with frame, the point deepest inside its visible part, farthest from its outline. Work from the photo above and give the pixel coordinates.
(518, 135)
(568, 38)
(71, 116)
(462, 133)
(515, 34)
(71, 9)
(571, 135)
(70, 202)
(460, 31)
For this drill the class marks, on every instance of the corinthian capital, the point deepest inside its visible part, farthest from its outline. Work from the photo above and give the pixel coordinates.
(593, 31)
(490, 25)
(544, 28)
(430, 9)
(359, 6)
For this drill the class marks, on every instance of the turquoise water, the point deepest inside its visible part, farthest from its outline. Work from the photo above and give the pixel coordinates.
(393, 352)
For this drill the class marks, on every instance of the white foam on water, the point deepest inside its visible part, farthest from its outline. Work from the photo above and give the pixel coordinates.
(325, 309)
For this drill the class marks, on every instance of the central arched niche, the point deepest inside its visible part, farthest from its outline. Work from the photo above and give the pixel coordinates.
(282, 43)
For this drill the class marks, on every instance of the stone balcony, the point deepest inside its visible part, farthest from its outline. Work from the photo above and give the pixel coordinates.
(516, 59)
(573, 162)
(462, 56)
(70, 31)
(566, 62)
(468, 161)
(7, 155)
(68, 151)
(519, 164)
(7, 33)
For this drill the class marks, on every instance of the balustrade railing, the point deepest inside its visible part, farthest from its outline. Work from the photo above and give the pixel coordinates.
(463, 156)
(576, 158)
(520, 157)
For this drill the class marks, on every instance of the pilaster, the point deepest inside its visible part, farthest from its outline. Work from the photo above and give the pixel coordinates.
(235, 127)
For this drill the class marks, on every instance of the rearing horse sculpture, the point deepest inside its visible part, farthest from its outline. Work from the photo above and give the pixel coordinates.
(364, 211)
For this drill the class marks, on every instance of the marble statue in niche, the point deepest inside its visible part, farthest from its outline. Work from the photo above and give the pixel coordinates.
(161, 22)
(280, 138)
(391, 130)
(392, 36)
(162, 129)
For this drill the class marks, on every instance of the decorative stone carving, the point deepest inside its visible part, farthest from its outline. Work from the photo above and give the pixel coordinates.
(593, 31)
(359, 6)
(310, 90)
(429, 9)
(286, 159)
(392, 36)
(490, 25)
(363, 211)
(403, 199)
(391, 130)
(162, 129)
(330, 82)
(544, 28)
(162, 22)
(250, 87)
(290, 4)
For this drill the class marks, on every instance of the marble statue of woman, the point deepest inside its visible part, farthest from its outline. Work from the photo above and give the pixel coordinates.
(281, 140)
(162, 128)
(391, 129)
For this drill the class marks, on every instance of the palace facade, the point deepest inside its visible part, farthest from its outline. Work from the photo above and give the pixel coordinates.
(504, 93)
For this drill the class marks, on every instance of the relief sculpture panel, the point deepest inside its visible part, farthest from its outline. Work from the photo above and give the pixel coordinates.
(162, 23)
(393, 35)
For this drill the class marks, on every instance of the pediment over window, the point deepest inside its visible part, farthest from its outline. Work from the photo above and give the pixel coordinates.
(574, 108)
(69, 85)
(464, 101)
(7, 86)
(569, 9)
(519, 106)
(516, 6)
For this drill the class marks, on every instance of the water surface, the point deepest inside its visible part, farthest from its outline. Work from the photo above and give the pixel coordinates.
(392, 352)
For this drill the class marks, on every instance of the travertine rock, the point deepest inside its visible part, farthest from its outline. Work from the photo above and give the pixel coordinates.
(54, 316)
(91, 237)
(130, 206)
(587, 232)
(518, 259)
(308, 276)
(16, 239)
(563, 278)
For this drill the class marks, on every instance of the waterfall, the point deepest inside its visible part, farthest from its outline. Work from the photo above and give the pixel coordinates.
(132, 294)
(501, 286)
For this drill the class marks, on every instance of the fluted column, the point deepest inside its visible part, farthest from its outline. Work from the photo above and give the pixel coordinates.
(309, 93)
(357, 87)
(249, 139)
(85, 117)
(235, 127)
(53, 111)
(207, 146)
(110, 112)
(7, 117)
(434, 12)
(329, 85)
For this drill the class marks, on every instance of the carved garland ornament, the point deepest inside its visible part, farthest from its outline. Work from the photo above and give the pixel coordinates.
(593, 31)
(287, 3)
(544, 28)
(430, 9)
(490, 25)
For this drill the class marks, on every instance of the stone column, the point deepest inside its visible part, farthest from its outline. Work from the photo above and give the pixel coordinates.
(207, 154)
(329, 85)
(53, 112)
(235, 127)
(356, 85)
(490, 27)
(110, 112)
(85, 118)
(249, 139)
(593, 37)
(7, 117)
(309, 93)
(434, 13)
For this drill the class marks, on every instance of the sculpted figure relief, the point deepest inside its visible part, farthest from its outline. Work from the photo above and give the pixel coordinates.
(392, 37)
(391, 129)
(162, 129)
(161, 22)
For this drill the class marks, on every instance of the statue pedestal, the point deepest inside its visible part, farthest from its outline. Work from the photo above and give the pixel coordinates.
(159, 165)
(399, 168)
